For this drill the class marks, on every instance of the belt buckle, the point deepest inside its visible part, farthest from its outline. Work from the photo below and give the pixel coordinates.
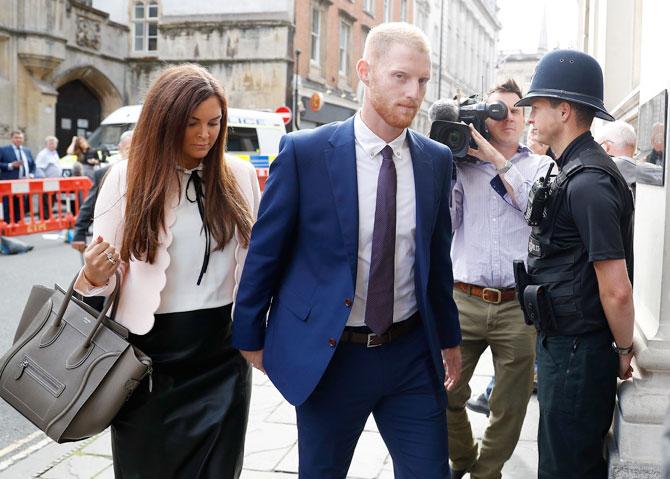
(492, 290)
(371, 337)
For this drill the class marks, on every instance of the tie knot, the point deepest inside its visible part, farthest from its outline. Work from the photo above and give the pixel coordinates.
(387, 153)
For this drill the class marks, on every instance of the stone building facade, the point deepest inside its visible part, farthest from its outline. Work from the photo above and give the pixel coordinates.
(66, 64)
(47, 46)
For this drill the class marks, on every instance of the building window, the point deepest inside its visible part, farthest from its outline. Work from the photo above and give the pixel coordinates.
(364, 37)
(403, 10)
(387, 11)
(345, 43)
(368, 6)
(315, 52)
(145, 24)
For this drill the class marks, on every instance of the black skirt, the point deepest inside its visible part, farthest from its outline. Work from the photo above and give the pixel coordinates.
(193, 422)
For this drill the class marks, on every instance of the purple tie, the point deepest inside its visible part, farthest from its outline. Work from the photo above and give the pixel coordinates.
(379, 304)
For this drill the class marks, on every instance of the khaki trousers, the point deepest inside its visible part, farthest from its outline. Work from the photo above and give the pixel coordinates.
(512, 342)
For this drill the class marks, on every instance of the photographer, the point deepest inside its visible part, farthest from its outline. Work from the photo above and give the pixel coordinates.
(488, 202)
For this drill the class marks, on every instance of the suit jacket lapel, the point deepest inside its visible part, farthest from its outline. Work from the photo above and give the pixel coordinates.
(340, 157)
(424, 187)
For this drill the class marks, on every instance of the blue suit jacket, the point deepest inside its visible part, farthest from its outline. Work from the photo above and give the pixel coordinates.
(303, 256)
(7, 156)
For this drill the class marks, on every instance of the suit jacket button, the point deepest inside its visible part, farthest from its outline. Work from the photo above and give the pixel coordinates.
(348, 302)
(332, 343)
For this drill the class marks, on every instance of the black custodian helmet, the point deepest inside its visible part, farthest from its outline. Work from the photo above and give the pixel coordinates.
(568, 75)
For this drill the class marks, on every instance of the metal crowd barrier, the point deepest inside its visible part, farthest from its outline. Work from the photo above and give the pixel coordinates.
(39, 205)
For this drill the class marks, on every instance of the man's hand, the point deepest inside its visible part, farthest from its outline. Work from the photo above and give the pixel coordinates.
(485, 150)
(79, 246)
(451, 358)
(17, 164)
(625, 369)
(255, 358)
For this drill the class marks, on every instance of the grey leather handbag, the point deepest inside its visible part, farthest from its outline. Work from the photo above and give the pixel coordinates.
(70, 368)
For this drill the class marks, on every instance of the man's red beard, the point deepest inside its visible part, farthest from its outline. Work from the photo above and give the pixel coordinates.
(392, 114)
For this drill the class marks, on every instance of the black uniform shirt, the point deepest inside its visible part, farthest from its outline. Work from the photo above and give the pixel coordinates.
(590, 212)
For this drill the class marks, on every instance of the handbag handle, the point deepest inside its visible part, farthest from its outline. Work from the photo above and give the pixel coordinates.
(112, 299)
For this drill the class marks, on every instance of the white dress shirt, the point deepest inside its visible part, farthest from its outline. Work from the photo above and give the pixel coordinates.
(24, 172)
(490, 231)
(368, 164)
(181, 293)
(46, 163)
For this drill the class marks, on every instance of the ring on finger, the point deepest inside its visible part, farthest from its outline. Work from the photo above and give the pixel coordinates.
(110, 257)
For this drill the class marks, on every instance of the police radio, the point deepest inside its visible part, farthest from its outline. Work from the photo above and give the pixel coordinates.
(538, 198)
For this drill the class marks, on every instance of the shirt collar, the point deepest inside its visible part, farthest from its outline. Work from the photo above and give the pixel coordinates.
(188, 172)
(371, 143)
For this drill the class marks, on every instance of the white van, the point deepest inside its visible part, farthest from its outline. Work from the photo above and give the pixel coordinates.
(252, 135)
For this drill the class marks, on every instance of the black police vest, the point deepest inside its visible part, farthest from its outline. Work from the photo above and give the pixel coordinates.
(576, 306)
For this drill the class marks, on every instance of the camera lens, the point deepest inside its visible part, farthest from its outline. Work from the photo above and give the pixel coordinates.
(455, 140)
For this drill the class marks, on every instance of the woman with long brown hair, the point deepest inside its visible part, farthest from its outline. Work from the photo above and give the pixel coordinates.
(87, 158)
(175, 221)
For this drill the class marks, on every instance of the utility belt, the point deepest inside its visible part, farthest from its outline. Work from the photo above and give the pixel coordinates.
(535, 301)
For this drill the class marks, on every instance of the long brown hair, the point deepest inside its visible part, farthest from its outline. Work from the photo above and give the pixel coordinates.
(154, 156)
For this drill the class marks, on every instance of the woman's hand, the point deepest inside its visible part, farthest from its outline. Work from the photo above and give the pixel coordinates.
(100, 262)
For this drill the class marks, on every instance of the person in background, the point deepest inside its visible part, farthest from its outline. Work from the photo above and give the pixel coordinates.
(488, 202)
(16, 162)
(480, 404)
(618, 139)
(175, 221)
(87, 158)
(656, 155)
(46, 166)
(85, 215)
(46, 162)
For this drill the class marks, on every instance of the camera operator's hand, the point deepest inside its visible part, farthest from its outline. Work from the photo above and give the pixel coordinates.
(485, 151)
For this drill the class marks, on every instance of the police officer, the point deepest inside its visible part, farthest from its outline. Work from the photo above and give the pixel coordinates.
(579, 255)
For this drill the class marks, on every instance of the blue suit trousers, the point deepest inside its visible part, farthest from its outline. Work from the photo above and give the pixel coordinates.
(395, 382)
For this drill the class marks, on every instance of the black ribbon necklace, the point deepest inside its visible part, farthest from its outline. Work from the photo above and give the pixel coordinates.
(199, 196)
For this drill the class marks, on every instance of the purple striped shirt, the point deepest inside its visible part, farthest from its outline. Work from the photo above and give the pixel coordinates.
(489, 229)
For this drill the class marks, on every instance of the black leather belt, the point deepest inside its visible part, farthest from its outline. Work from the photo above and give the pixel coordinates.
(372, 340)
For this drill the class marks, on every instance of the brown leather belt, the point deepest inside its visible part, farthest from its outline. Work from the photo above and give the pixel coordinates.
(488, 295)
(372, 340)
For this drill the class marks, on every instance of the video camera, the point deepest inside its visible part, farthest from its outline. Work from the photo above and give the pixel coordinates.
(451, 120)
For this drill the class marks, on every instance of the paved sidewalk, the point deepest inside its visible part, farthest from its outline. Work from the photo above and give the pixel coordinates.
(271, 445)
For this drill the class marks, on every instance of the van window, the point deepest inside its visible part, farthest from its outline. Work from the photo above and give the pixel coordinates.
(242, 139)
(107, 136)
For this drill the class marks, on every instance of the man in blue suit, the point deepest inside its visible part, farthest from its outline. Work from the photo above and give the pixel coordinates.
(351, 256)
(16, 162)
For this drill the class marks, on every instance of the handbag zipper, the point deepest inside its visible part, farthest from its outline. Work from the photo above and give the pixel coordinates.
(42, 377)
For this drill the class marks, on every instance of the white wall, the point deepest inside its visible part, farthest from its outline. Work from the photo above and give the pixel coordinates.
(652, 229)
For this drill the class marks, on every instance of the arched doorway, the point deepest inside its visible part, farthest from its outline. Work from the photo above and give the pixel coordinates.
(78, 113)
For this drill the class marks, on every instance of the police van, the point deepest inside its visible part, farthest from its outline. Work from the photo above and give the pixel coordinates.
(252, 135)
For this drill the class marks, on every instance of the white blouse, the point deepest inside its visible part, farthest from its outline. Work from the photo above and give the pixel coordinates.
(186, 251)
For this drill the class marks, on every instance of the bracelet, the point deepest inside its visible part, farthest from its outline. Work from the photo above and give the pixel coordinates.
(622, 351)
(91, 283)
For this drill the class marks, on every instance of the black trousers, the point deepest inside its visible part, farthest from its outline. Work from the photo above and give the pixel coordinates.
(576, 386)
